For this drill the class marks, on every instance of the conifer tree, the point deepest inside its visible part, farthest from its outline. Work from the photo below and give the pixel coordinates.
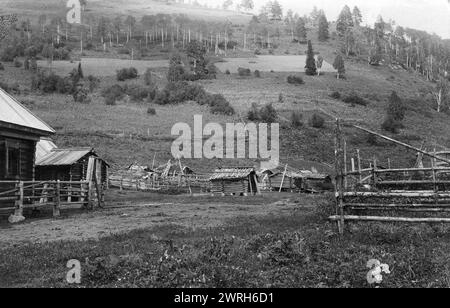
(339, 66)
(310, 68)
(323, 27)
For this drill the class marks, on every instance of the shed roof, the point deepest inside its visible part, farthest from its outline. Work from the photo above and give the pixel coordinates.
(64, 157)
(235, 173)
(44, 147)
(13, 112)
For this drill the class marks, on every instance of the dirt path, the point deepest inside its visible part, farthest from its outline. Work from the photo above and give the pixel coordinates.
(123, 218)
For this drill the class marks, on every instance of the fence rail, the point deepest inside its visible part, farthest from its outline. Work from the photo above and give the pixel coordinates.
(158, 183)
(19, 195)
(361, 191)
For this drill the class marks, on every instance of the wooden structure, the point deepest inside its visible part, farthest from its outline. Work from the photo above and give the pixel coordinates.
(70, 165)
(20, 130)
(374, 194)
(289, 179)
(20, 143)
(234, 181)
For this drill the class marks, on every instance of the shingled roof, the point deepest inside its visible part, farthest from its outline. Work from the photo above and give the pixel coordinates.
(14, 114)
(232, 173)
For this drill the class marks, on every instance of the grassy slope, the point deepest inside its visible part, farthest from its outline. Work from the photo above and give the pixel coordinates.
(138, 8)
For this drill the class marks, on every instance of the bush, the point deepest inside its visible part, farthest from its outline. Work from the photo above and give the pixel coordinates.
(354, 99)
(227, 72)
(268, 114)
(316, 121)
(81, 95)
(257, 74)
(93, 82)
(296, 119)
(253, 113)
(244, 72)
(2, 68)
(335, 95)
(17, 63)
(392, 125)
(127, 73)
(148, 77)
(151, 111)
(113, 94)
(280, 98)
(219, 105)
(294, 79)
(371, 139)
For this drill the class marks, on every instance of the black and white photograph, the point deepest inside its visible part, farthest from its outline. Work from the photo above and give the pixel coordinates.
(223, 152)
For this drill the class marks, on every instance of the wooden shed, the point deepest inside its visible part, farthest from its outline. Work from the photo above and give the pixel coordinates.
(72, 164)
(234, 181)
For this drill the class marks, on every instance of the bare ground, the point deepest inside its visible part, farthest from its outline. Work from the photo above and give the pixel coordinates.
(124, 216)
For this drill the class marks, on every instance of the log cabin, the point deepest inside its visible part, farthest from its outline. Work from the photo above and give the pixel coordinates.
(238, 181)
(20, 130)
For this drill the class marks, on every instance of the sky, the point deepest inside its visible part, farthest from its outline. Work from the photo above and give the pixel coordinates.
(430, 15)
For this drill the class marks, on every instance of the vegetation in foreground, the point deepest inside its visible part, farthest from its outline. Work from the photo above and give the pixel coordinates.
(297, 250)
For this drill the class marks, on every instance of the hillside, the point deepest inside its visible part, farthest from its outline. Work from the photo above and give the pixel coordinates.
(126, 133)
(33, 8)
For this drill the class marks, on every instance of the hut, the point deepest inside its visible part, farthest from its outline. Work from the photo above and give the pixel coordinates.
(71, 164)
(20, 131)
(234, 181)
(279, 179)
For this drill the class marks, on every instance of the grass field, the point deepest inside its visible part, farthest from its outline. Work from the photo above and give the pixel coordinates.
(102, 67)
(273, 241)
(269, 63)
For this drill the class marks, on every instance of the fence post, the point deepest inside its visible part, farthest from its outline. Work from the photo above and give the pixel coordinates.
(359, 166)
(339, 177)
(57, 205)
(19, 201)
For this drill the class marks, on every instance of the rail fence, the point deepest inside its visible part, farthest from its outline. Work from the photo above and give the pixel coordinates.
(15, 196)
(415, 195)
(190, 183)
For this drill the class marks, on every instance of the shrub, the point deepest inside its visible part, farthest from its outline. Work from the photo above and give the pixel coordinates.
(113, 93)
(136, 92)
(396, 109)
(335, 95)
(280, 98)
(354, 99)
(268, 114)
(371, 139)
(81, 95)
(151, 111)
(176, 73)
(244, 72)
(316, 121)
(220, 105)
(93, 82)
(148, 77)
(253, 113)
(294, 79)
(2, 68)
(127, 73)
(391, 125)
(227, 72)
(296, 119)
(257, 74)
(17, 63)
(257, 52)
(211, 71)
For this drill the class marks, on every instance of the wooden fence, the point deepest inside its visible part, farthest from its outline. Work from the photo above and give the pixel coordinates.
(191, 183)
(387, 195)
(15, 196)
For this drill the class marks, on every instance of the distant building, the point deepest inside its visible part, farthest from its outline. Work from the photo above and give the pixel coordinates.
(234, 181)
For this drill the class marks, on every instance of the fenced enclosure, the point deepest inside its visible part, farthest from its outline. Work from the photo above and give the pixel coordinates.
(373, 193)
(17, 196)
(189, 182)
